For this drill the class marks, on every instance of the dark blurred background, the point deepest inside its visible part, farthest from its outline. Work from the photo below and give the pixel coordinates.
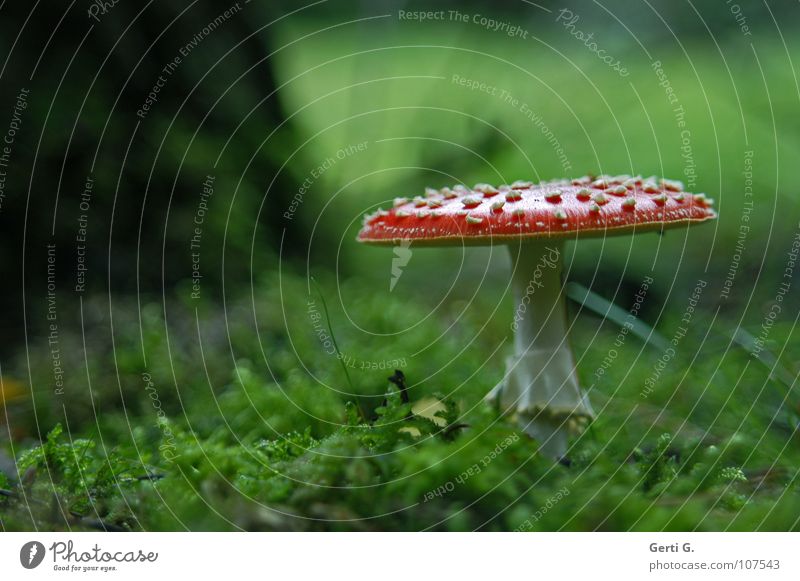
(305, 116)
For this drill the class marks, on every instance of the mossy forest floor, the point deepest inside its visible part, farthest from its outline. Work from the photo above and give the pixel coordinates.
(222, 419)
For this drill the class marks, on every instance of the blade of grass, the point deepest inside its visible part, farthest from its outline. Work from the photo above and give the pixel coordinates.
(339, 355)
(766, 357)
(608, 310)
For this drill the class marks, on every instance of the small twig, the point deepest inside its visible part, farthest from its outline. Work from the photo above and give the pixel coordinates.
(400, 381)
(97, 524)
(452, 428)
(150, 477)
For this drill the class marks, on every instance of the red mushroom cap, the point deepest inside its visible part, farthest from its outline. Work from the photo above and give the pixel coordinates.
(558, 209)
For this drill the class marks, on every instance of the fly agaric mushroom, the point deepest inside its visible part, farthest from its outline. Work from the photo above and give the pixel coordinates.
(540, 385)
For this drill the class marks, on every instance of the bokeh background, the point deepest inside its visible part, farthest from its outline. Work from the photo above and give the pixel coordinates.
(182, 185)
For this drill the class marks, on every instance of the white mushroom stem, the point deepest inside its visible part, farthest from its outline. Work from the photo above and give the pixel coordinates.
(540, 385)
